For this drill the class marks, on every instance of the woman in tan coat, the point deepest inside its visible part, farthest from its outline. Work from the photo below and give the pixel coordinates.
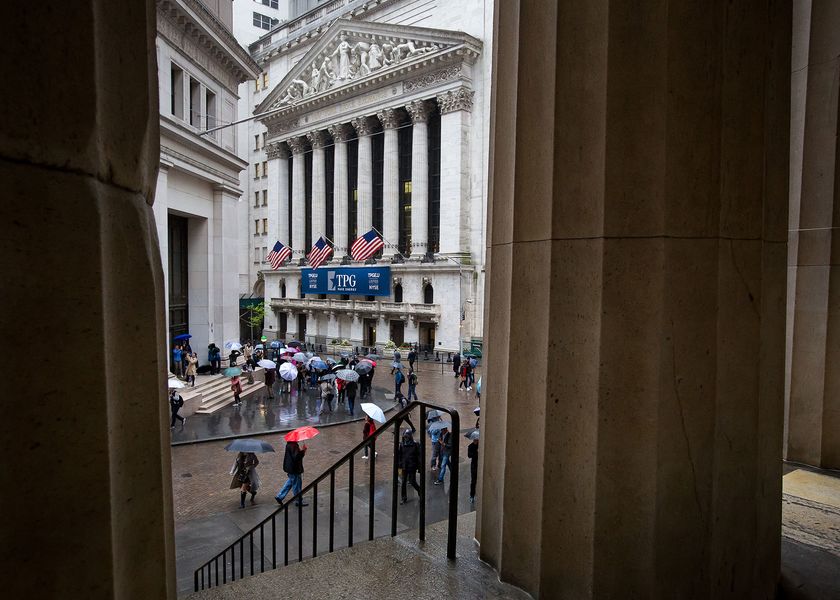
(192, 367)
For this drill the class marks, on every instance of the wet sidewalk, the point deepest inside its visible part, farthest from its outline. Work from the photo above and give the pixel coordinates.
(258, 414)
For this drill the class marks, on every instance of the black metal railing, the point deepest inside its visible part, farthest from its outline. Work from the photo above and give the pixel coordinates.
(210, 574)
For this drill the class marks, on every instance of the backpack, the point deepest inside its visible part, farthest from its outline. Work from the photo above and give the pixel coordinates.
(412, 379)
(400, 377)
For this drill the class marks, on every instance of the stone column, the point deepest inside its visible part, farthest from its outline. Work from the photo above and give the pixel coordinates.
(383, 330)
(278, 193)
(224, 299)
(319, 191)
(80, 171)
(291, 326)
(339, 135)
(813, 434)
(332, 326)
(364, 214)
(356, 329)
(298, 147)
(419, 111)
(639, 457)
(390, 182)
(455, 106)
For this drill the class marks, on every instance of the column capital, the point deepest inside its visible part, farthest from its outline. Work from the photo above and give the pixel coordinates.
(458, 99)
(277, 150)
(419, 110)
(297, 144)
(389, 117)
(363, 125)
(340, 132)
(317, 138)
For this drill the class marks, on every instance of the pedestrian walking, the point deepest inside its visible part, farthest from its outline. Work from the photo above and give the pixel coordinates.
(300, 378)
(409, 462)
(463, 384)
(236, 387)
(270, 377)
(445, 453)
(472, 454)
(245, 476)
(248, 351)
(435, 438)
(456, 364)
(175, 404)
(471, 373)
(367, 431)
(350, 392)
(412, 384)
(403, 404)
(327, 395)
(192, 368)
(214, 356)
(177, 365)
(399, 378)
(293, 466)
(340, 387)
(412, 356)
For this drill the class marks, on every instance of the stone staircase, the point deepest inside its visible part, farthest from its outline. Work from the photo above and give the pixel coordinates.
(215, 393)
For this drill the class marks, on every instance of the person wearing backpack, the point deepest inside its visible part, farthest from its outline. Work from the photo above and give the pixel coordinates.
(412, 384)
(399, 378)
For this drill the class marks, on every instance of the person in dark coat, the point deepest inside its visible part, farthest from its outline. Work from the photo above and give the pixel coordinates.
(456, 365)
(269, 382)
(445, 453)
(245, 477)
(412, 356)
(472, 454)
(293, 466)
(367, 431)
(350, 394)
(409, 461)
(175, 404)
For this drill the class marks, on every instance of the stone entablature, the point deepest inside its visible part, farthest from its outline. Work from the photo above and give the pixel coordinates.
(190, 27)
(360, 308)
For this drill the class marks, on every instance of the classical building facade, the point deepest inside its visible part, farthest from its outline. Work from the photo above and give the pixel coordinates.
(376, 117)
(200, 67)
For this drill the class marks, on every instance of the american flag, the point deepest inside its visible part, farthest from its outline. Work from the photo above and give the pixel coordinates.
(366, 246)
(278, 255)
(319, 254)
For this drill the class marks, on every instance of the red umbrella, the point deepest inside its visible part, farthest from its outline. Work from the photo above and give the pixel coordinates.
(301, 433)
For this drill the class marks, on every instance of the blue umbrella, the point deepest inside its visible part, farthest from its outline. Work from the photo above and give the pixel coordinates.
(275, 344)
(183, 336)
(438, 425)
(247, 445)
(232, 372)
(319, 365)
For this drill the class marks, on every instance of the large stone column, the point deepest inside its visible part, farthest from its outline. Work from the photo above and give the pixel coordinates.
(637, 252)
(419, 111)
(87, 482)
(298, 147)
(455, 106)
(339, 135)
(390, 181)
(278, 193)
(364, 212)
(224, 299)
(318, 139)
(813, 434)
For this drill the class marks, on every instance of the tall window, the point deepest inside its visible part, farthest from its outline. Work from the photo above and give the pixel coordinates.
(256, 170)
(434, 182)
(256, 199)
(264, 22)
(398, 293)
(270, 3)
(265, 169)
(329, 162)
(210, 109)
(428, 294)
(177, 92)
(404, 200)
(352, 189)
(256, 226)
(265, 76)
(265, 226)
(195, 103)
(256, 142)
(265, 197)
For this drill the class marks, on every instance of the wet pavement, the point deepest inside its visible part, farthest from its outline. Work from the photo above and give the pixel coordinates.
(207, 514)
(259, 414)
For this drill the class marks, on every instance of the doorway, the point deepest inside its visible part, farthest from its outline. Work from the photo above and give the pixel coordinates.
(369, 333)
(397, 332)
(427, 337)
(302, 328)
(178, 276)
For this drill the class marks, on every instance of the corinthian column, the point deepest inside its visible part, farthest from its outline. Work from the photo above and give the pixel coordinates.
(419, 111)
(319, 192)
(455, 106)
(298, 145)
(364, 216)
(390, 181)
(339, 135)
(278, 191)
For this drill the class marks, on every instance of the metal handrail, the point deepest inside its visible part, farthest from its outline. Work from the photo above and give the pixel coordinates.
(207, 575)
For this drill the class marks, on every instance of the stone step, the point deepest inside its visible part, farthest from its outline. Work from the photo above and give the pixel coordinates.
(222, 398)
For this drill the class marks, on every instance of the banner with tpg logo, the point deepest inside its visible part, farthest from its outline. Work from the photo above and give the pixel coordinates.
(357, 281)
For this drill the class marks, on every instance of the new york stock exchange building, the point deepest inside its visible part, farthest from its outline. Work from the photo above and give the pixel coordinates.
(379, 120)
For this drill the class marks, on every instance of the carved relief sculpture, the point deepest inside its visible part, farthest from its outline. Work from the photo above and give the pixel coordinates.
(343, 54)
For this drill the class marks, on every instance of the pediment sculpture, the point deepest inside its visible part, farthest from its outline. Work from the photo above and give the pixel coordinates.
(348, 60)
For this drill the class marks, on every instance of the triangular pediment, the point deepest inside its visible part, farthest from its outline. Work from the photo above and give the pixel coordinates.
(351, 52)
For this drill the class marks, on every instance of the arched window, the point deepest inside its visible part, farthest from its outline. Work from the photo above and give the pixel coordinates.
(398, 293)
(428, 294)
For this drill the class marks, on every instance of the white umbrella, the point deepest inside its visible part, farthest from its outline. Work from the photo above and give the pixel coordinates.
(373, 411)
(312, 359)
(347, 375)
(267, 364)
(176, 384)
(288, 372)
(232, 345)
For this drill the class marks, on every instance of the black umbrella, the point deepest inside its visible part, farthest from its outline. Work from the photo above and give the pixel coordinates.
(249, 445)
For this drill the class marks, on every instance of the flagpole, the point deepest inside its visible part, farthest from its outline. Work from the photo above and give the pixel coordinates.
(389, 243)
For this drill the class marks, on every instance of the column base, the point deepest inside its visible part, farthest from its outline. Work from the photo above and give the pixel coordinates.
(428, 257)
(397, 259)
(345, 260)
(370, 261)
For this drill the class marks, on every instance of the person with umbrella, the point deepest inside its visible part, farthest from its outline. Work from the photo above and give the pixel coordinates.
(236, 387)
(472, 454)
(248, 351)
(245, 476)
(175, 404)
(293, 466)
(408, 456)
(192, 368)
(434, 434)
(367, 431)
(234, 354)
(350, 394)
(327, 395)
(445, 452)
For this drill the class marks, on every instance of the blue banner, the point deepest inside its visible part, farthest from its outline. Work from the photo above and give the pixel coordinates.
(357, 281)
